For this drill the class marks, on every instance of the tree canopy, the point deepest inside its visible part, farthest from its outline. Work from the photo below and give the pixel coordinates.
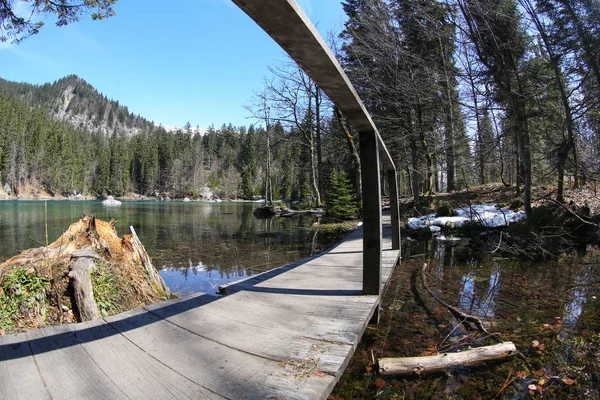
(16, 25)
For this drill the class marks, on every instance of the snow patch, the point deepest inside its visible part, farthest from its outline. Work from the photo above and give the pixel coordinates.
(487, 215)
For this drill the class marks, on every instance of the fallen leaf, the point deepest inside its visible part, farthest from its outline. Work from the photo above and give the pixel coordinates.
(535, 343)
(320, 373)
(379, 383)
(532, 387)
(522, 374)
(368, 368)
(542, 382)
(442, 326)
(540, 372)
(568, 381)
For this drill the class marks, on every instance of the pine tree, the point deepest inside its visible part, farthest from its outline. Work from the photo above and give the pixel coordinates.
(340, 201)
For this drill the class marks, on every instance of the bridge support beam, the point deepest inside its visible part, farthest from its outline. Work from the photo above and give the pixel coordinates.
(371, 194)
(287, 24)
(394, 210)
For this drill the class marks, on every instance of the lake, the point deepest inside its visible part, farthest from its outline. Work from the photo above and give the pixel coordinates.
(196, 246)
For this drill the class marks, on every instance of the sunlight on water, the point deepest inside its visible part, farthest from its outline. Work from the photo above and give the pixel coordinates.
(197, 246)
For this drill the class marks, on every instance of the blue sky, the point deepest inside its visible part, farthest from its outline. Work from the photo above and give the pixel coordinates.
(171, 61)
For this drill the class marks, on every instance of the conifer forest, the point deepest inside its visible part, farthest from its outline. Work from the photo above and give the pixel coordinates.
(464, 92)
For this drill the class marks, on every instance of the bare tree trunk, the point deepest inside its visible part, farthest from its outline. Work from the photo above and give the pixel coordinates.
(309, 135)
(568, 143)
(450, 133)
(415, 171)
(353, 151)
(318, 101)
(428, 189)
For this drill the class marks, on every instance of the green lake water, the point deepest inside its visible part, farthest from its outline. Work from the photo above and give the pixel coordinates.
(196, 246)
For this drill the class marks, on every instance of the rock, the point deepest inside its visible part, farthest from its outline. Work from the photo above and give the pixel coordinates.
(445, 210)
(186, 199)
(264, 212)
(76, 197)
(110, 201)
(205, 193)
(7, 188)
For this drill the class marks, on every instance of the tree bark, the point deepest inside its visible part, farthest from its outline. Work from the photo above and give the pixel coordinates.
(352, 148)
(151, 271)
(567, 143)
(82, 286)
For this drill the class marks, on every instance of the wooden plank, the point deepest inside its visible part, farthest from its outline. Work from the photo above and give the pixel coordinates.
(19, 376)
(221, 369)
(131, 369)
(67, 369)
(335, 322)
(240, 330)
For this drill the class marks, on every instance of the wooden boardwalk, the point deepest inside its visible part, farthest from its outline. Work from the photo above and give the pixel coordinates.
(287, 333)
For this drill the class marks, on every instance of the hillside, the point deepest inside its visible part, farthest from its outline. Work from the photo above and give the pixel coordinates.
(75, 101)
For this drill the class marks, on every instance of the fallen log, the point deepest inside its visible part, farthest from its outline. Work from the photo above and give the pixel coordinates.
(441, 362)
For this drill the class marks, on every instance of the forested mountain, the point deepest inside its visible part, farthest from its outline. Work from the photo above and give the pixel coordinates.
(44, 144)
(74, 100)
(464, 92)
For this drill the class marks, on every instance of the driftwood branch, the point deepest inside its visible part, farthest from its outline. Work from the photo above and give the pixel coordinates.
(573, 213)
(441, 362)
(458, 314)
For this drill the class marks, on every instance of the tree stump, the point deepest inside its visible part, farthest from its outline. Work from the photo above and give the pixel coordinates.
(82, 284)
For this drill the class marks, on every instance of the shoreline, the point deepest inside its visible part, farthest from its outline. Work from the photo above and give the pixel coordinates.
(127, 199)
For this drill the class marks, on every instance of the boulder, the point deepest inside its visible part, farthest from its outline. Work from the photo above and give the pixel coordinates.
(110, 201)
(205, 193)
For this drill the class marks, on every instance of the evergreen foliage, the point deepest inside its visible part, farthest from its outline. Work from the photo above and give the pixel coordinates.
(340, 201)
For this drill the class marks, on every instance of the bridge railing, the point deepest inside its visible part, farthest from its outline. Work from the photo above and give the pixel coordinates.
(291, 28)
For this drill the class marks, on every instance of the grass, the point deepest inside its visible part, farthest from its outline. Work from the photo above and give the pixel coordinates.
(23, 299)
(106, 290)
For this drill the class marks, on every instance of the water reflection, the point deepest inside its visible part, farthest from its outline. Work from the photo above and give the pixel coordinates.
(476, 298)
(199, 278)
(575, 302)
(207, 244)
